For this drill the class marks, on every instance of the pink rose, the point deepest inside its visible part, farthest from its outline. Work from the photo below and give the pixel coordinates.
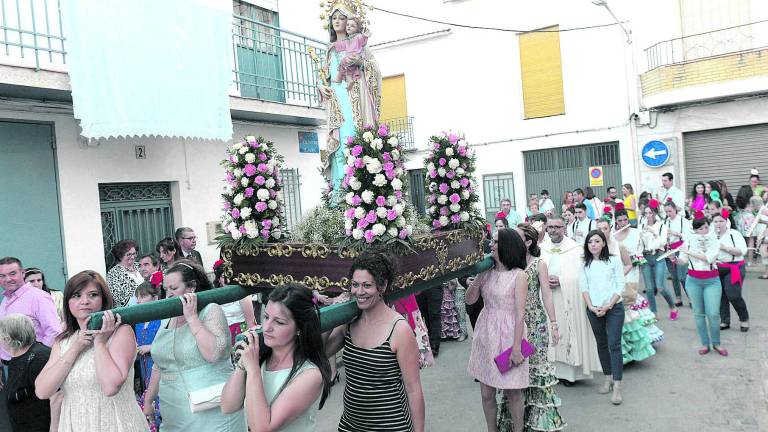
(369, 236)
(345, 182)
(356, 150)
(260, 206)
(227, 205)
(350, 140)
(453, 139)
(389, 175)
(235, 213)
(450, 174)
(399, 195)
(455, 218)
(249, 170)
(266, 224)
(462, 151)
(350, 213)
(436, 224)
(380, 201)
(389, 166)
(259, 180)
(436, 146)
(262, 168)
(383, 130)
(349, 232)
(272, 193)
(391, 215)
(454, 198)
(262, 156)
(431, 199)
(248, 192)
(433, 174)
(229, 177)
(404, 234)
(464, 182)
(359, 163)
(443, 188)
(444, 211)
(386, 157)
(265, 234)
(442, 161)
(371, 217)
(362, 223)
(242, 229)
(356, 201)
(349, 170)
(233, 158)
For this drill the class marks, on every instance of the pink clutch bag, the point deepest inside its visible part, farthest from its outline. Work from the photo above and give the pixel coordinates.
(502, 360)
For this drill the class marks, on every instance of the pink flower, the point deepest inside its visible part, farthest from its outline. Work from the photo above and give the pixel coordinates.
(399, 195)
(349, 170)
(369, 236)
(356, 150)
(443, 187)
(229, 177)
(444, 211)
(362, 223)
(462, 151)
(233, 158)
(436, 223)
(389, 175)
(436, 146)
(391, 215)
(386, 156)
(431, 199)
(249, 170)
(248, 192)
(260, 206)
(272, 193)
(265, 234)
(267, 224)
(464, 182)
(259, 180)
(389, 166)
(359, 163)
(350, 140)
(227, 205)
(383, 130)
(371, 217)
(368, 127)
(455, 218)
(235, 213)
(345, 182)
(262, 156)
(453, 139)
(262, 168)
(470, 190)
(356, 201)
(242, 229)
(380, 201)
(442, 161)
(450, 174)
(349, 232)
(433, 174)
(350, 213)
(404, 234)
(255, 144)
(454, 198)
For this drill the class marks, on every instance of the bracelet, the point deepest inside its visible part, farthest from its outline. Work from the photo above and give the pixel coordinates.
(240, 366)
(194, 333)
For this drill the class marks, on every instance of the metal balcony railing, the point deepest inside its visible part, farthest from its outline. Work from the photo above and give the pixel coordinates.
(402, 128)
(30, 30)
(746, 37)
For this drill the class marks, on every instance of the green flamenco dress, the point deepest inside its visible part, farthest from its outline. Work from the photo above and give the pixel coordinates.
(541, 401)
(639, 332)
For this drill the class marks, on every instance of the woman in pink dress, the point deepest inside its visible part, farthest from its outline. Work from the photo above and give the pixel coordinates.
(501, 322)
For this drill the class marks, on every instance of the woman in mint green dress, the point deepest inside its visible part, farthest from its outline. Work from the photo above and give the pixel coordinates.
(191, 353)
(286, 381)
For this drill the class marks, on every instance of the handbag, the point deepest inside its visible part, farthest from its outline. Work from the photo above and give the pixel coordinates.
(502, 360)
(202, 399)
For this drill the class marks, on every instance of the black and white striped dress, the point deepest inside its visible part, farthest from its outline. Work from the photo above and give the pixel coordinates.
(374, 397)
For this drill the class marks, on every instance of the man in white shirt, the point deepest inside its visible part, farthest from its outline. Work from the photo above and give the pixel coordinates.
(546, 205)
(583, 225)
(668, 192)
(678, 229)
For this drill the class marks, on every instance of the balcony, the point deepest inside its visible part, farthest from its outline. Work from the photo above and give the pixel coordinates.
(402, 128)
(274, 78)
(717, 64)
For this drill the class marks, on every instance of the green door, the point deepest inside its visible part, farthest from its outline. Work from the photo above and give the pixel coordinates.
(259, 53)
(30, 223)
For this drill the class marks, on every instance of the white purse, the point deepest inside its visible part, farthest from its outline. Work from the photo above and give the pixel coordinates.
(206, 398)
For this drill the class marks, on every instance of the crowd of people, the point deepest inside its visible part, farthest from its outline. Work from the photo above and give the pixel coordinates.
(563, 301)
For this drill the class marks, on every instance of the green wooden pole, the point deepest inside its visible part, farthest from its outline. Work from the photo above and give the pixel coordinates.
(330, 317)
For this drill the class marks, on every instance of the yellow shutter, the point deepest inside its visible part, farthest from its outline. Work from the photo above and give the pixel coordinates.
(541, 71)
(393, 103)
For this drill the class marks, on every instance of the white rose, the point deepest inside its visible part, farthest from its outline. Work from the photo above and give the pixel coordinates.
(237, 172)
(237, 146)
(460, 171)
(442, 199)
(250, 139)
(381, 212)
(250, 157)
(346, 151)
(350, 160)
(275, 222)
(272, 204)
(377, 144)
(432, 209)
(396, 155)
(367, 196)
(367, 136)
(392, 231)
(430, 166)
(400, 221)
(243, 150)
(391, 200)
(397, 184)
(461, 142)
(409, 229)
(228, 190)
(232, 227)
(374, 166)
(348, 224)
(238, 199)
(441, 172)
(359, 213)
(393, 141)
(367, 159)
(399, 209)
(244, 181)
(398, 171)
(348, 197)
(277, 233)
(380, 180)
(245, 212)
(355, 184)
(449, 151)
(455, 184)
(454, 207)
(465, 194)
(379, 229)
(262, 194)
(251, 230)
(464, 216)
(454, 163)
(270, 183)
(357, 234)
(432, 187)
(236, 234)
(443, 220)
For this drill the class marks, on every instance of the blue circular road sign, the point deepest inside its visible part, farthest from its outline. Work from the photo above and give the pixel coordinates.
(655, 153)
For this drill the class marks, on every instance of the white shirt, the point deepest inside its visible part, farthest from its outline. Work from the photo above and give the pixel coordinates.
(708, 245)
(732, 238)
(678, 197)
(603, 279)
(546, 205)
(655, 238)
(678, 224)
(583, 227)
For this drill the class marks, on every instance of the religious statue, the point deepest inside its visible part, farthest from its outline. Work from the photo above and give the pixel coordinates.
(350, 83)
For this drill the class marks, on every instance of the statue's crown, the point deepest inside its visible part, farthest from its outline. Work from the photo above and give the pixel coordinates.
(350, 8)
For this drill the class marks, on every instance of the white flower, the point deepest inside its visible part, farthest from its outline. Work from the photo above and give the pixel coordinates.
(455, 184)
(381, 212)
(232, 227)
(377, 144)
(238, 199)
(398, 171)
(237, 172)
(346, 151)
(367, 136)
(272, 204)
(250, 139)
(393, 141)
(443, 220)
(270, 183)
(465, 194)
(399, 209)
(348, 224)
(262, 194)
(251, 230)
(449, 151)
(367, 159)
(357, 234)
(380, 180)
(460, 171)
(397, 184)
(359, 213)
(432, 209)
(442, 199)
(379, 229)
(275, 222)
(277, 233)
(236, 234)
(464, 216)
(374, 166)
(235, 159)
(355, 184)
(237, 146)
(243, 150)
(392, 231)
(250, 157)
(432, 187)
(391, 200)
(228, 190)
(348, 197)
(454, 207)
(430, 166)
(395, 154)
(271, 164)
(244, 181)
(409, 228)
(367, 196)
(245, 212)
(400, 221)
(453, 163)
(350, 160)
(441, 172)
(462, 142)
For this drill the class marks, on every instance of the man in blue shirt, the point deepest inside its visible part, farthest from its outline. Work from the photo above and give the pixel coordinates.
(579, 197)
(513, 218)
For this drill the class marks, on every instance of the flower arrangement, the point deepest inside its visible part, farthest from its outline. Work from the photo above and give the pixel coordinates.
(252, 207)
(450, 184)
(373, 187)
(638, 260)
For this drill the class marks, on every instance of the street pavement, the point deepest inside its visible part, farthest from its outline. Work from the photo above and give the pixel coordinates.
(675, 390)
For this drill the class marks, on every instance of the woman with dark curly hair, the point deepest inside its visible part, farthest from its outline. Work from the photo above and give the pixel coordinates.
(169, 251)
(124, 277)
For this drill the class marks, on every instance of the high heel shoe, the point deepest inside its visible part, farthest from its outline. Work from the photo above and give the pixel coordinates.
(616, 398)
(335, 379)
(607, 386)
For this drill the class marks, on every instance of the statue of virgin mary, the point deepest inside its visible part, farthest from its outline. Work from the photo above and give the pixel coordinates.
(353, 103)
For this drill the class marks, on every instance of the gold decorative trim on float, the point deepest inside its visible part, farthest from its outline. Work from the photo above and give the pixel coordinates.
(324, 267)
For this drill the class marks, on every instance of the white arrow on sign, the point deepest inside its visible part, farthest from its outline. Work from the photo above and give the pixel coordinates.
(652, 153)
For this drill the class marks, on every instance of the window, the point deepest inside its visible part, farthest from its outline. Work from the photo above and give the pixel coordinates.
(416, 189)
(290, 194)
(496, 187)
(248, 20)
(541, 72)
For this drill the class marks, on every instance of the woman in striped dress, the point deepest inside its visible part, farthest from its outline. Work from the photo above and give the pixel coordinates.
(383, 390)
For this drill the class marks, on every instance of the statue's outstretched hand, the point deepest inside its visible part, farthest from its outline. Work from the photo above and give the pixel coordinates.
(324, 90)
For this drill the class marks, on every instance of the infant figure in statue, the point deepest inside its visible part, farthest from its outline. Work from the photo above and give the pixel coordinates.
(349, 68)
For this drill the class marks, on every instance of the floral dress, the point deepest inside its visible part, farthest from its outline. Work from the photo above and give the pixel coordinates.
(541, 401)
